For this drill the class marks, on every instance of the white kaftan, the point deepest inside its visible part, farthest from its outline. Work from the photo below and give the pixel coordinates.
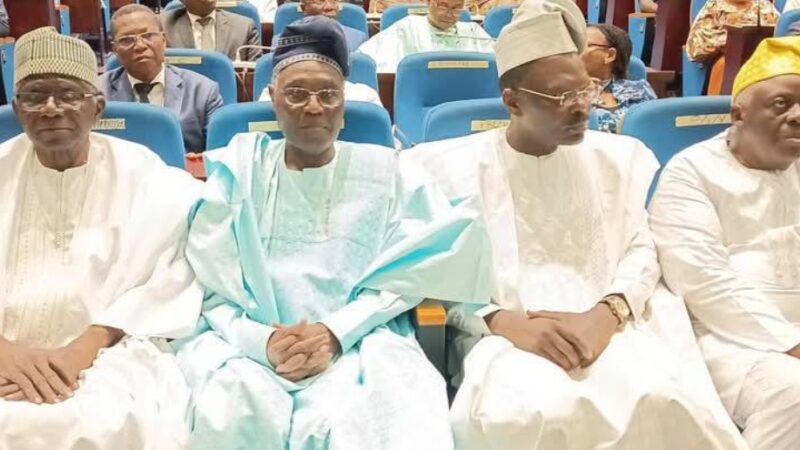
(99, 244)
(567, 229)
(414, 34)
(728, 239)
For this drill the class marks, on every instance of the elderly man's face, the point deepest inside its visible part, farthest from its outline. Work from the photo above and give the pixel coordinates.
(766, 123)
(200, 8)
(327, 8)
(57, 113)
(140, 45)
(310, 122)
(553, 121)
(443, 14)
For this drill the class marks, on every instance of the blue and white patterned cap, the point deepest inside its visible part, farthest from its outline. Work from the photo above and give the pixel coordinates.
(312, 38)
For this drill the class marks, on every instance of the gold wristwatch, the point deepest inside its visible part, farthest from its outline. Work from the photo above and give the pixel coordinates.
(619, 307)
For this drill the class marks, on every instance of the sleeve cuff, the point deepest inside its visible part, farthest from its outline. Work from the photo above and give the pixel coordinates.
(253, 338)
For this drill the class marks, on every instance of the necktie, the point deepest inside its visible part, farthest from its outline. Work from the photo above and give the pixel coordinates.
(206, 41)
(143, 91)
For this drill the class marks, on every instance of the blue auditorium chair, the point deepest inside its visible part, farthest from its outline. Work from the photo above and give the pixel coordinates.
(213, 65)
(243, 8)
(156, 128)
(425, 80)
(350, 15)
(670, 125)
(596, 11)
(362, 70)
(785, 21)
(497, 18)
(779, 5)
(363, 123)
(636, 69)
(7, 68)
(396, 12)
(464, 117)
(695, 74)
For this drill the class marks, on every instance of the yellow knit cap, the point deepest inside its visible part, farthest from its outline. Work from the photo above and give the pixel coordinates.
(773, 57)
(43, 51)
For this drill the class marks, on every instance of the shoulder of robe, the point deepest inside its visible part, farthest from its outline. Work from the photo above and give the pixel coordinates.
(708, 155)
(618, 149)
(13, 149)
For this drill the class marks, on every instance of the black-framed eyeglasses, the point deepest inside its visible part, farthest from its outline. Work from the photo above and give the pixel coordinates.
(64, 100)
(587, 95)
(590, 44)
(328, 98)
(128, 41)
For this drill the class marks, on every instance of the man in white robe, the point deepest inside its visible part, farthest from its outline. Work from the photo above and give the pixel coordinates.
(565, 357)
(726, 221)
(91, 266)
(439, 30)
(313, 252)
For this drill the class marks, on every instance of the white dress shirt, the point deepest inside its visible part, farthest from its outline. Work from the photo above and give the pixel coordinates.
(156, 95)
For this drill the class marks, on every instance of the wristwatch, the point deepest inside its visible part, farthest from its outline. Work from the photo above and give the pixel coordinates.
(619, 307)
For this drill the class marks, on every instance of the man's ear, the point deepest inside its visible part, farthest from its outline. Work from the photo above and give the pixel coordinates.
(737, 113)
(101, 106)
(510, 100)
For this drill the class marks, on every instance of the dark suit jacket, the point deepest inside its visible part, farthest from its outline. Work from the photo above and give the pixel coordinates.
(191, 96)
(794, 29)
(231, 32)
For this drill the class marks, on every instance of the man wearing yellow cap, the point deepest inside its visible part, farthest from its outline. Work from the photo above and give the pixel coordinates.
(726, 220)
(92, 231)
(567, 356)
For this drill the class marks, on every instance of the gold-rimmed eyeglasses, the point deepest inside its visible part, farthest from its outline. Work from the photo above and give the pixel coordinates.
(65, 100)
(587, 95)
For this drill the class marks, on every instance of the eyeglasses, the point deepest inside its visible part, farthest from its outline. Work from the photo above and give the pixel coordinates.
(323, 2)
(128, 41)
(328, 98)
(590, 44)
(450, 11)
(587, 95)
(64, 100)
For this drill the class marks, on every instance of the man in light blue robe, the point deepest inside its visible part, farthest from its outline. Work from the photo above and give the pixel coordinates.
(312, 252)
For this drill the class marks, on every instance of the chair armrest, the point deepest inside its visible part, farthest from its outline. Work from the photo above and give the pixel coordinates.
(430, 318)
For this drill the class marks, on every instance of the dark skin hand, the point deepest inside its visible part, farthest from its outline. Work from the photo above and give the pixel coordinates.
(301, 351)
(51, 376)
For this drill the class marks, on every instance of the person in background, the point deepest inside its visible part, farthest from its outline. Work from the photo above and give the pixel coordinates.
(330, 9)
(144, 77)
(94, 276)
(313, 251)
(439, 30)
(607, 56)
(707, 36)
(4, 25)
(726, 221)
(200, 24)
(481, 7)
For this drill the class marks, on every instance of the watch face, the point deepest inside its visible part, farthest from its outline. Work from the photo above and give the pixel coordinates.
(622, 306)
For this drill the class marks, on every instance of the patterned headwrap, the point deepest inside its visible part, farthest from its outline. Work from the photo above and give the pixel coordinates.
(773, 57)
(315, 38)
(43, 51)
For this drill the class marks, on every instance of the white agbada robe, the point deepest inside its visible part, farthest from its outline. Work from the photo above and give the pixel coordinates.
(414, 34)
(567, 229)
(729, 242)
(100, 244)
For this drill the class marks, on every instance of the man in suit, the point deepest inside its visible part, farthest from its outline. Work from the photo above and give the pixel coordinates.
(201, 25)
(330, 9)
(140, 45)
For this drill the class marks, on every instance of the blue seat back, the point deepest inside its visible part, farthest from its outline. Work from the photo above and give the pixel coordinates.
(362, 70)
(243, 8)
(669, 125)
(363, 123)
(497, 18)
(636, 69)
(425, 80)
(396, 12)
(7, 68)
(779, 5)
(785, 21)
(213, 65)
(156, 128)
(350, 15)
(595, 10)
(464, 117)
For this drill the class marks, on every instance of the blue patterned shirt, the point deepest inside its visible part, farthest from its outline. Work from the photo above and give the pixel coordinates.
(627, 93)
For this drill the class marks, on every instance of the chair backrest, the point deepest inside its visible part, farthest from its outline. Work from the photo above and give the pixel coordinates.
(425, 80)
(779, 5)
(696, 5)
(362, 70)
(785, 21)
(241, 7)
(636, 69)
(669, 125)
(349, 15)
(497, 18)
(363, 123)
(464, 117)
(7, 68)
(596, 11)
(396, 12)
(156, 128)
(213, 65)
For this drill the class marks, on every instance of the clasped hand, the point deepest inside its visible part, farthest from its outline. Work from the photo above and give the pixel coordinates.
(302, 350)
